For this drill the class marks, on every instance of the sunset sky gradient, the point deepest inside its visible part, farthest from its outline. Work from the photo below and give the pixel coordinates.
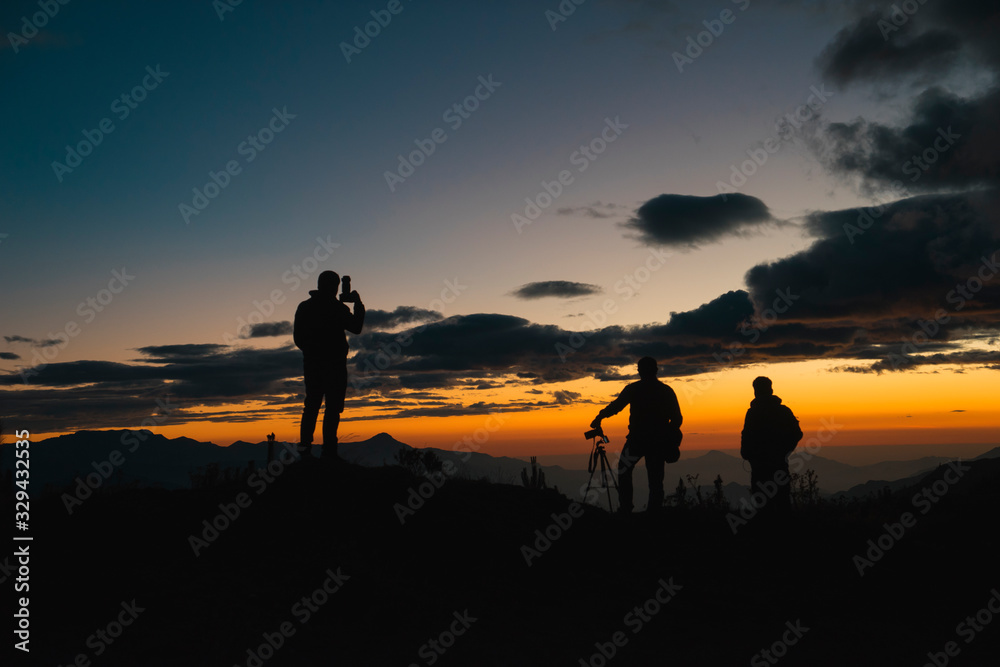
(609, 122)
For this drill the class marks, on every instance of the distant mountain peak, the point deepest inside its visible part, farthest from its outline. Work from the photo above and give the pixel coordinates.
(715, 453)
(379, 440)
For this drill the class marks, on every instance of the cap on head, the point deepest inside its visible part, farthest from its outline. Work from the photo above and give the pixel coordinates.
(328, 281)
(647, 367)
(762, 386)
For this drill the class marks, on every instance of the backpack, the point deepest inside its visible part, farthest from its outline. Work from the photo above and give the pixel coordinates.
(672, 445)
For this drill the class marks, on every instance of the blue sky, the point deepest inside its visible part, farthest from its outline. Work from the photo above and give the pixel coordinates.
(324, 175)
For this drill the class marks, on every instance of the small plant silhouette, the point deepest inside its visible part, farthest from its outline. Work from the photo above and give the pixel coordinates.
(698, 499)
(679, 496)
(537, 478)
(205, 477)
(718, 496)
(420, 462)
(805, 488)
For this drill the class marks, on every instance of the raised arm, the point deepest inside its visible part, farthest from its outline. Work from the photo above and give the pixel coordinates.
(614, 407)
(356, 320)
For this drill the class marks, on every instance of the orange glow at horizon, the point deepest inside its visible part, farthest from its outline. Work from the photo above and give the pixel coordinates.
(894, 408)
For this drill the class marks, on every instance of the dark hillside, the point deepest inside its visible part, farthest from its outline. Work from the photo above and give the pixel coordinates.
(460, 554)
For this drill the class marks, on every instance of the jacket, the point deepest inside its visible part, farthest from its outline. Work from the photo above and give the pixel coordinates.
(770, 431)
(654, 409)
(320, 323)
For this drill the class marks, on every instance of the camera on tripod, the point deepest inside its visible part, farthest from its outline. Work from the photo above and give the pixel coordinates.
(346, 295)
(596, 433)
(598, 461)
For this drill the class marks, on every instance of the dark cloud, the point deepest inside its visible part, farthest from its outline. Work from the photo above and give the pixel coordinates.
(9, 355)
(915, 277)
(191, 371)
(687, 221)
(598, 210)
(873, 49)
(181, 352)
(971, 358)
(562, 289)
(887, 44)
(719, 318)
(900, 260)
(867, 292)
(949, 142)
(78, 394)
(402, 315)
(563, 397)
(34, 342)
(268, 330)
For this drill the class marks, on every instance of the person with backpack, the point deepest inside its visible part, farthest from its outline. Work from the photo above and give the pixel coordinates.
(770, 433)
(653, 432)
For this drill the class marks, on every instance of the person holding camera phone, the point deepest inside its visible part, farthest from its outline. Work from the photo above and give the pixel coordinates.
(653, 431)
(319, 331)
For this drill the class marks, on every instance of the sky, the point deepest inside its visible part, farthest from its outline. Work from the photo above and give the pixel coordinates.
(528, 197)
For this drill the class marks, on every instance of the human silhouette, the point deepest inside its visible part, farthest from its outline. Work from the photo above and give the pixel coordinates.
(320, 323)
(653, 432)
(770, 434)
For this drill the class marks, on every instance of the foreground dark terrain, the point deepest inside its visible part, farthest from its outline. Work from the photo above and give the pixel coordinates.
(455, 573)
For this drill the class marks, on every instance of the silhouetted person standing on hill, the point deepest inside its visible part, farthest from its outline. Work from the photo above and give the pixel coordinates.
(320, 323)
(770, 434)
(653, 431)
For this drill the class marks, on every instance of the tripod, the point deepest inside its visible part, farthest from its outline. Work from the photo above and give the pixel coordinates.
(599, 456)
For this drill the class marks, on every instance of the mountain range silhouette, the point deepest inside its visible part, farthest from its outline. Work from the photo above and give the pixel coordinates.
(169, 462)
